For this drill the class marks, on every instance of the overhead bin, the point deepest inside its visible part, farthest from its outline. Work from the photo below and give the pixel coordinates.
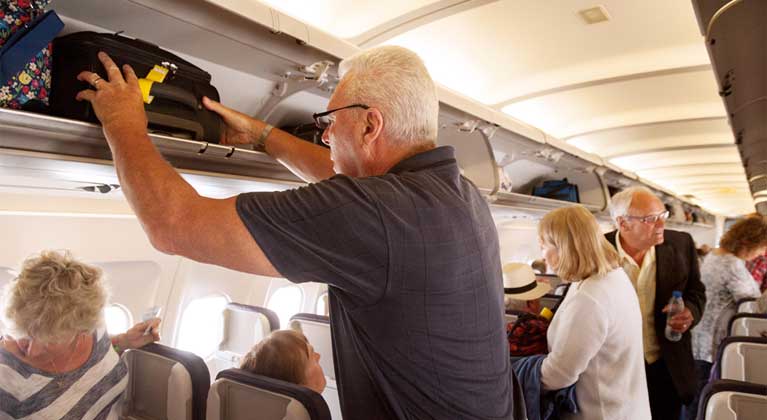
(736, 39)
(51, 150)
(265, 63)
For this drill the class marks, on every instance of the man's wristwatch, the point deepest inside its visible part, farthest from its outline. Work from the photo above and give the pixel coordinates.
(259, 143)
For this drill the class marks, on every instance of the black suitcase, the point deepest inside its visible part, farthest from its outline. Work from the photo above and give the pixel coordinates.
(309, 132)
(177, 108)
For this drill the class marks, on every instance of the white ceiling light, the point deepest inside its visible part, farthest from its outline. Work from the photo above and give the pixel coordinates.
(594, 15)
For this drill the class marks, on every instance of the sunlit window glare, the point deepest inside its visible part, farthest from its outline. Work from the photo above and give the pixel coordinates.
(286, 302)
(117, 318)
(202, 325)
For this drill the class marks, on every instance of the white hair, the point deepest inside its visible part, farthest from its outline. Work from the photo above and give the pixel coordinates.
(396, 81)
(621, 202)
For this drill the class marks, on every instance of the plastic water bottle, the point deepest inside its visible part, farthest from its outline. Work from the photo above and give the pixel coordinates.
(676, 305)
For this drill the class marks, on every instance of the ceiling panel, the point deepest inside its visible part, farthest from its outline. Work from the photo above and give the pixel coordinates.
(345, 18)
(682, 171)
(643, 161)
(539, 45)
(568, 113)
(633, 139)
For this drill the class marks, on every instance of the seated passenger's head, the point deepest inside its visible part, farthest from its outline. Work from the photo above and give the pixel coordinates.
(288, 356)
(573, 245)
(54, 299)
(393, 111)
(539, 266)
(747, 238)
(522, 290)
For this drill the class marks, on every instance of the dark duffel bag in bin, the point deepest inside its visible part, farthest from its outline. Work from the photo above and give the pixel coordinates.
(176, 101)
(558, 189)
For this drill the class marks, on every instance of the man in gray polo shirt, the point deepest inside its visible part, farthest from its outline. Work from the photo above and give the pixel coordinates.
(406, 244)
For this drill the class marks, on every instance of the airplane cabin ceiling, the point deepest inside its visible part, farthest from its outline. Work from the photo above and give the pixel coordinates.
(637, 89)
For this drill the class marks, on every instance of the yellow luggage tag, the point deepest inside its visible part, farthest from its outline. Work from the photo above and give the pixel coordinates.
(157, 74)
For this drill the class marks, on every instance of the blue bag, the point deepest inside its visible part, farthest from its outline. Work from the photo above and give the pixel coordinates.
(558, 189)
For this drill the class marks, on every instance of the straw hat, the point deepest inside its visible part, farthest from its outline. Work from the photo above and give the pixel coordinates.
(519, 282)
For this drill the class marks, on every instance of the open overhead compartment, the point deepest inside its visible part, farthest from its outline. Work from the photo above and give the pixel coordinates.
(736, 39)
(269, 65)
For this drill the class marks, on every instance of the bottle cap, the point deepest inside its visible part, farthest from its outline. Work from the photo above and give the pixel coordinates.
(546, 313)
(676, 294)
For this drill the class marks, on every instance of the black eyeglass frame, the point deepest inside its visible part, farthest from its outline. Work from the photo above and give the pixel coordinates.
(319, 115)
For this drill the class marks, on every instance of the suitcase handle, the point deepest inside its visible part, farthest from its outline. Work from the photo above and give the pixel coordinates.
(175, 94)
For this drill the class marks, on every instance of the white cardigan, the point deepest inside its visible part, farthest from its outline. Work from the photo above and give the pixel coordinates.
(595, 341)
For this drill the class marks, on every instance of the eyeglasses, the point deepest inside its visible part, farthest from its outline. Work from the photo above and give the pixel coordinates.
(653, 218)
(324, 119)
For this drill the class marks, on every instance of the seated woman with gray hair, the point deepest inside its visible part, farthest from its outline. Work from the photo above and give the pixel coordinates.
(60, 362)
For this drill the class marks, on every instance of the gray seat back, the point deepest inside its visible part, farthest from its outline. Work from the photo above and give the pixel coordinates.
(165, 384)
(241, 395)
(244, 327)
(732, 400)
(744, 359)
(748, 306)
(748, 325)
(316, 328)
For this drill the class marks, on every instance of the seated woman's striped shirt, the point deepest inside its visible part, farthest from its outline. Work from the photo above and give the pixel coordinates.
(92, 391)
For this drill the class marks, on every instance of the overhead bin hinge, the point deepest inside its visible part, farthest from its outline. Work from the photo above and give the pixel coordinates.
(304, 78)
(552, 155)
(484, 127)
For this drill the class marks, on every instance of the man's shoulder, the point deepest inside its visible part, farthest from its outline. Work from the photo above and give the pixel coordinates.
(675, 237)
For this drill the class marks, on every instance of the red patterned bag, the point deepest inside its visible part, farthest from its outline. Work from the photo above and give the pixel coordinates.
(527, 335)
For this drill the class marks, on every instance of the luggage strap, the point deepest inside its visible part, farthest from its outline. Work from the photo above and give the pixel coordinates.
(26, 43)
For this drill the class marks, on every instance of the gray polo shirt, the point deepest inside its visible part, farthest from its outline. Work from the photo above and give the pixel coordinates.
(416, 295)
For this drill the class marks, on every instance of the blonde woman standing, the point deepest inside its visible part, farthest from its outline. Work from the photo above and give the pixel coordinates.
(595, 341)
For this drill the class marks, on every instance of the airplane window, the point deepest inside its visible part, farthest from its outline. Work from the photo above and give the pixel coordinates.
(322, 305)
(202, 325)
(117, 318)
(286, 301)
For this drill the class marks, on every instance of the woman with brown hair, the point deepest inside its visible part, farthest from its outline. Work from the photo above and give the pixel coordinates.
(595, 341)
(288, 356)
(727, 280)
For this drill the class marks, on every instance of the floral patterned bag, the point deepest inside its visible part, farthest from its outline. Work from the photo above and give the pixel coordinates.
(26, 78)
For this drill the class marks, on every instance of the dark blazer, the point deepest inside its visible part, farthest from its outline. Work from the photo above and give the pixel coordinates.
(677, 269)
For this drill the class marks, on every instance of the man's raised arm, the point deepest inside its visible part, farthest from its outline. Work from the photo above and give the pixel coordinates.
(307, 161)
(176, 218)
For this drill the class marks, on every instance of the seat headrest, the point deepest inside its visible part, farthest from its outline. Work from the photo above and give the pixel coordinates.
(313, 402)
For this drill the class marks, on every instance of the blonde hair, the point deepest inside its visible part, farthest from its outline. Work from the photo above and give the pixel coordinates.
(55, 297)
(283, 355)
(396, 81)
(583, 250)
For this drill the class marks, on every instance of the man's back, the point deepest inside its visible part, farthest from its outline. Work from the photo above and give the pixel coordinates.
(413, 265)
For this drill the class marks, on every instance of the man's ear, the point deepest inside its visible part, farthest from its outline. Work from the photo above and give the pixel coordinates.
(374, 124)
